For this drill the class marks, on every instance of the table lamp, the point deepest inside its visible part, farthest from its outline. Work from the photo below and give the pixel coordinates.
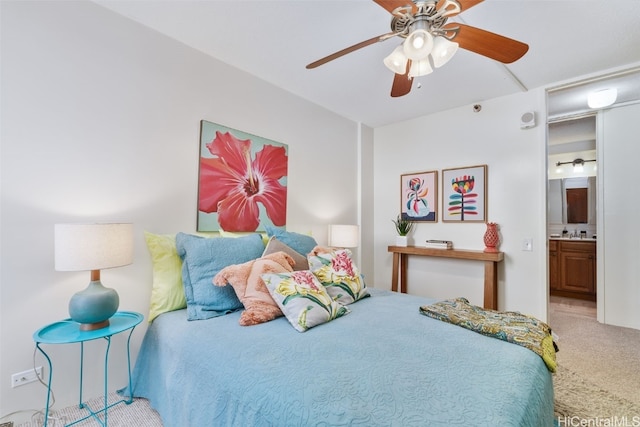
(343, 236)
(93, 247)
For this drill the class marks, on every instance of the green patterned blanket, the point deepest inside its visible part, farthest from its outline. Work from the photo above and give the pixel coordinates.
(510, 326)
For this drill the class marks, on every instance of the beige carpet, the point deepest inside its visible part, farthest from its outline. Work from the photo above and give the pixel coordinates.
(598, 365)
(139, 414)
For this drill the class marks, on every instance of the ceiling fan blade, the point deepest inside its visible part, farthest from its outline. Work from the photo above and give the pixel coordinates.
(350, 49)
(448, 4)
(486, 43)
(391, 5)
(402, 83)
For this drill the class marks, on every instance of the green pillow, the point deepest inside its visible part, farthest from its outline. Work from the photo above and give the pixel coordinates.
(167, 293)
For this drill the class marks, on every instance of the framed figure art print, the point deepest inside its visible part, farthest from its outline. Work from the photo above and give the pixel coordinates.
(464, 194)
(419, 196)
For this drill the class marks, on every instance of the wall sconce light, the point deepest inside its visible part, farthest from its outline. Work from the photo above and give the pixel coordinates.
(343, 236)
(93, 247)
(578, 164)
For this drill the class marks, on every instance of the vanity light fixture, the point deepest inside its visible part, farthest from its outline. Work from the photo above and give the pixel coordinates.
(578, 164)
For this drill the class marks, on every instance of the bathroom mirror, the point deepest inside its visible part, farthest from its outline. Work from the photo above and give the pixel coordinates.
(572, 201)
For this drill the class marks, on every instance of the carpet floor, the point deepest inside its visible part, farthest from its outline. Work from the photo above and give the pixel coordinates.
(598, 367)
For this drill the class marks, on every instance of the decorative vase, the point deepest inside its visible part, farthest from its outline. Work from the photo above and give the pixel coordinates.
(491, 238)
(401, 240)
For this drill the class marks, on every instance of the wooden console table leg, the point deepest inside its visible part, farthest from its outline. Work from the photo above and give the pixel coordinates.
(394, 274)
(403, 273)
(491, 285)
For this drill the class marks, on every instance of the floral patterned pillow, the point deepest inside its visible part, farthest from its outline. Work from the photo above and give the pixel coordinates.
(339, 275)
(303, 299)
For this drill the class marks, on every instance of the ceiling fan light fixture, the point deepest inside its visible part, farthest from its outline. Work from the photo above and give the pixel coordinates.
(602, 98)
(420, 68)
(419, 42)
(443, 51)
(397, 61)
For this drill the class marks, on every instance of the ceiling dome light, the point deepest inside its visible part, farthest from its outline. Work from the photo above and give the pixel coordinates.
(396, 61)
(420, 68)
(443, 51)
(602, 98)
(419, 42)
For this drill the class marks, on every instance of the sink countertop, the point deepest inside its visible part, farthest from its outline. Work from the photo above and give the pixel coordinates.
(587, 239)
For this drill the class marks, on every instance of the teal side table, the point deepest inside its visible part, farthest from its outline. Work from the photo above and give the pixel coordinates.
(67, 332)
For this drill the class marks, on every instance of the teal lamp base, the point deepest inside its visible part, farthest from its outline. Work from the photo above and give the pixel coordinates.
(93, 306)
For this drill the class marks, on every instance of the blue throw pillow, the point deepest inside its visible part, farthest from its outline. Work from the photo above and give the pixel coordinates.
(203, 258)
(298, 242)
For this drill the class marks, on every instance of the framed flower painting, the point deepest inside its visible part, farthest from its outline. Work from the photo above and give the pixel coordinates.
(419, 196)
(464, 194)
(242, 180)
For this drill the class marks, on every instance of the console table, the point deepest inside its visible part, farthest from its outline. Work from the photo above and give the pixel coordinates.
(491, 260)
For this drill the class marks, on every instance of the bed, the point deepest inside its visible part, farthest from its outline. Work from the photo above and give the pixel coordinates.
(382, 364)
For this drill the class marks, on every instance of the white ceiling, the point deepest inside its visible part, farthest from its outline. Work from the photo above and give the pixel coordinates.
(275, 39)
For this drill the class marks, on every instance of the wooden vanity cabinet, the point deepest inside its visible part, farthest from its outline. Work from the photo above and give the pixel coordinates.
(572, 268)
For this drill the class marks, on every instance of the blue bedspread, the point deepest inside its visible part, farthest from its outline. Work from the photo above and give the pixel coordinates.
(383, 364)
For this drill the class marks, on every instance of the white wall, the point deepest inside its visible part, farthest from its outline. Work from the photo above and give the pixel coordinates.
(516, 193)
(100, 121)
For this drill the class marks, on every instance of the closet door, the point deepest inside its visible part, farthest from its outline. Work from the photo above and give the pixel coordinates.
(619, 240)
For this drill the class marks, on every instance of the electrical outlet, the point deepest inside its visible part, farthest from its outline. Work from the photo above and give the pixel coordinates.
(26, 377)
(527, 245)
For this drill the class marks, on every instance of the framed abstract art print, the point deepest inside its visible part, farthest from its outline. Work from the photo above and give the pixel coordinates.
(419, 196)
(464, 194)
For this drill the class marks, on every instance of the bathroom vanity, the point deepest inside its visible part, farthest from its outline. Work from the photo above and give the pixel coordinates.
(572, 268)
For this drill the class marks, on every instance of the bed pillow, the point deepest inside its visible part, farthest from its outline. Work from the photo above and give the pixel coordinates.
(167, 292)
(298, 242)
(274, 245)
(202, 259)
(302, 298)
(223, 233)
(335, 269)
(246, 280)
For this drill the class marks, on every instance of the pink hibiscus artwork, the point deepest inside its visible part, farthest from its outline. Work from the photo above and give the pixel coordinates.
(242, 180)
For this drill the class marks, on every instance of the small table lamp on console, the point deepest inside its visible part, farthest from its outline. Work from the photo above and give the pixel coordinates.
(343, 236)
(93, 247)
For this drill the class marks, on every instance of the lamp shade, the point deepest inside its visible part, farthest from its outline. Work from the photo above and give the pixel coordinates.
(420, 68)
(397, 61)
(82, 247)
(419, 43)
(443, 51)
(343, 236)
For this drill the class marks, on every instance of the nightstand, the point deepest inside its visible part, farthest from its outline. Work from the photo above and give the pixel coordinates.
(67, 332)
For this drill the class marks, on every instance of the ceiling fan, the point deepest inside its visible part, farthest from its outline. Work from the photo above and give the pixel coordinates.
(430, 40)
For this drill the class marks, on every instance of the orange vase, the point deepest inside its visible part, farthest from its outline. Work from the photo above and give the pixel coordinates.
(491, 238)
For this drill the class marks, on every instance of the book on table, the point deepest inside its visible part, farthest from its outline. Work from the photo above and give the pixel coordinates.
(439, 244)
